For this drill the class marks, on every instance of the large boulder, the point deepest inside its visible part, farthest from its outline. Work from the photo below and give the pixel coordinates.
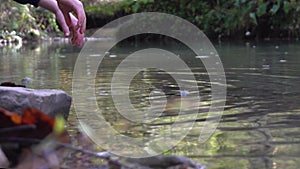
(50, 101)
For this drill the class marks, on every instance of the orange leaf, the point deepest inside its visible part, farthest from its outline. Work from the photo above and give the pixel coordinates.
(9, 119)
(44, 123)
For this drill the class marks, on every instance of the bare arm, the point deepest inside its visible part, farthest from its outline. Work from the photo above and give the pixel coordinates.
(66, 19)
(52, 6)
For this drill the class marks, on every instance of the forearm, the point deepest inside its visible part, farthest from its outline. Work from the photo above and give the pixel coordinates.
(50, 5)
(32, 2)
(63, 10)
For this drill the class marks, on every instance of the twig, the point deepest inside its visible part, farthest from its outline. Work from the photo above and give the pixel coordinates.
(37, 141)
(19, 140)
(17, 128)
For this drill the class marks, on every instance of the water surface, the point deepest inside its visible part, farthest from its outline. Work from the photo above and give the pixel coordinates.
(260, 124)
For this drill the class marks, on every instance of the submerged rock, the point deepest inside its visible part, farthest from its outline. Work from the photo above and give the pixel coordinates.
(165, 162)
(49, 101)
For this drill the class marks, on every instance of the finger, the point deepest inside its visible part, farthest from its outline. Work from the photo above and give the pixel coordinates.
(66, 16)
(83, 29)
(81, 24)
(75, 37)
(74, 29)
(74, 21)
(62, 22)
(78, 39)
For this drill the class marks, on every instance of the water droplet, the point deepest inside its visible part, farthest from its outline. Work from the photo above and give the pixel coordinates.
(282, 60)
(112, 56)
(201, 57)
(184, 93)
(103, 93)
(104, 154)
(95, 55)
(266, 67)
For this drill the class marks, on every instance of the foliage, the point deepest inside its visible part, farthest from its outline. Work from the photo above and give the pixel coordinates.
(227, 17)
(107, 8)
(25, 20)
(219, 17)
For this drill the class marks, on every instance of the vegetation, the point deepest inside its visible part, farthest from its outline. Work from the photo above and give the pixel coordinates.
(24, 21)
(218, 18)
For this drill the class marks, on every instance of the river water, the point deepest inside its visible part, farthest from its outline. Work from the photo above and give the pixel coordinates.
(260, 124)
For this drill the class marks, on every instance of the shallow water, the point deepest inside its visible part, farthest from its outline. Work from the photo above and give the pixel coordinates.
(259, 127)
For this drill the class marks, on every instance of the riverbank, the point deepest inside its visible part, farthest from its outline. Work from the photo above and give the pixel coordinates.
(217, 19)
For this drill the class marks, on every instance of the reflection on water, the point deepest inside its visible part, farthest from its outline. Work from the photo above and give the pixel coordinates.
(50, 66)
(260, 124)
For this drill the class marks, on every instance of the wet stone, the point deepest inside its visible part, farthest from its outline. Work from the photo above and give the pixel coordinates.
(50, 101)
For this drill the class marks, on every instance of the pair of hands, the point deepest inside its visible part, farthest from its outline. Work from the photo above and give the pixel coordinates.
(71, 17)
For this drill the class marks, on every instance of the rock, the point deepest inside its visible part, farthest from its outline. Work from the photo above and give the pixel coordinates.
(50, 101)
(26, 81)
(165, 162)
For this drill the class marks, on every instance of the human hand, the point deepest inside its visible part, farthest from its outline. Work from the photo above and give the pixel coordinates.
(77, 36)
(67, 20)
(73, 6)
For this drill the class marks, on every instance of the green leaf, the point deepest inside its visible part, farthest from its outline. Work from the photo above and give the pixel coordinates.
(237, 3)
(261, 10)
(135, 7)
(279, 3)
(253, 17)
(298, 8)
(260, 2)
(274, 9)
(286, 7)
(59, 125)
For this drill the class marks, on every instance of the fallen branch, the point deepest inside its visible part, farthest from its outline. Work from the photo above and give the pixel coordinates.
(103, 155)
(17, 128)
